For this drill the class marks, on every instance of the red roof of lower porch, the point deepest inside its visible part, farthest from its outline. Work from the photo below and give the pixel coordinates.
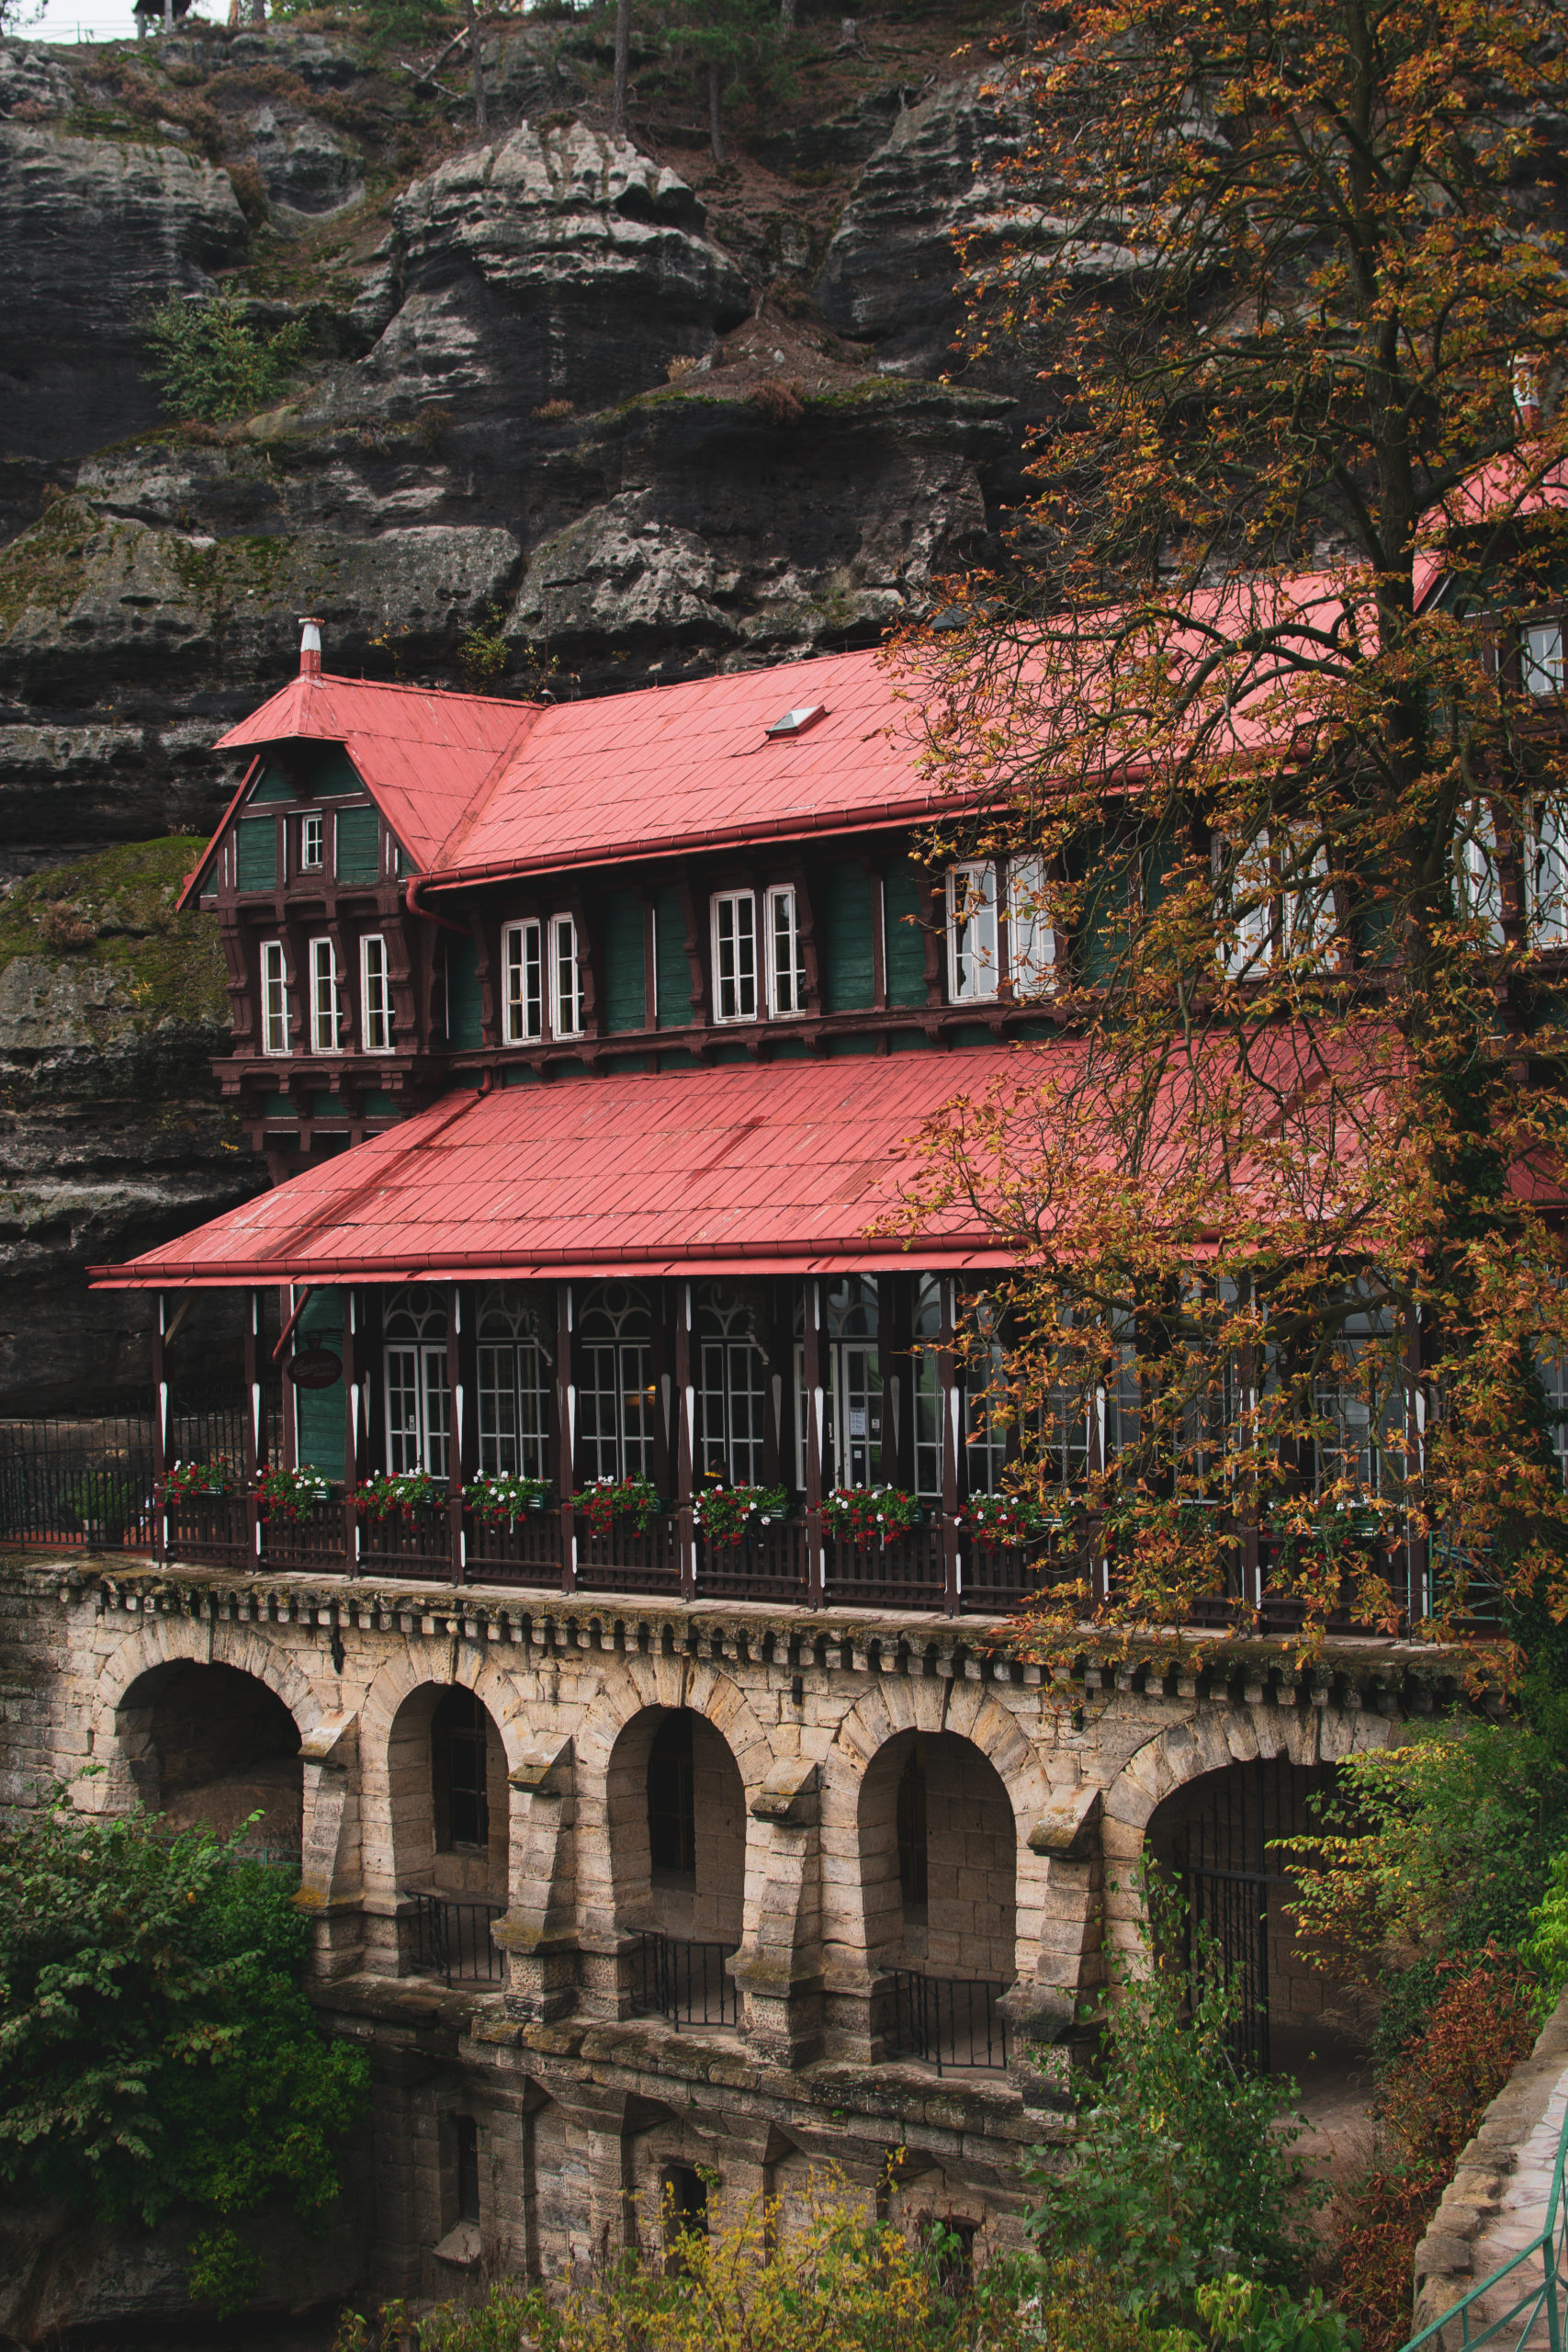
(757, 1168)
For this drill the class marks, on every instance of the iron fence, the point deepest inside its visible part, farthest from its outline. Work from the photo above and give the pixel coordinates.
(451, 1939)
(1522, 2306)
(85, 1480)
(948, 2020)
(686, 1983)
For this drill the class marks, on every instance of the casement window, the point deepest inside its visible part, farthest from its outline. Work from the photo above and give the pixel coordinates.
(1546, 875)
(419, 1403)
(375, 996)
(786, 958)
(274, 999)
(972, 972)
(617, 1397)
(735, 956)
(1478, 878)
(566, 978)
(1541, 659)
(1274, 901)
(323, 997)
(732, 1390)
(312, 844)
(514, 1389)
(523, 959)
(1031, 932)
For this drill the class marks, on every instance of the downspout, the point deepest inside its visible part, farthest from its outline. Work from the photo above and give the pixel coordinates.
(426, 914)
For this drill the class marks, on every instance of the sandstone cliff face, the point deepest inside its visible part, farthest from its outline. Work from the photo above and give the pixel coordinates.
(565, 390)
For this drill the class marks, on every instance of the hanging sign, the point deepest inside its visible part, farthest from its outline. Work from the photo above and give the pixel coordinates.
(314, 1368)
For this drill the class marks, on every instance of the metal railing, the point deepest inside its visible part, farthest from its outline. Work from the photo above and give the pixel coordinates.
(948, 2020)
(685, 1983)
(1533, 2285)
(451, 1939)
(84, 1480)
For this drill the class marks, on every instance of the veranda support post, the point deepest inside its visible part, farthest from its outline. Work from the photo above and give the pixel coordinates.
(565, 1436)
(350, 1432)
(160, 1427)
(254, 1451)
(951, 1438)
(459, 1388)
(685, 1448)
(811, 1325)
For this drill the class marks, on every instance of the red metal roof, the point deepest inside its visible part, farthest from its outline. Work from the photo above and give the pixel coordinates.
(752, 1168)
(425, 756)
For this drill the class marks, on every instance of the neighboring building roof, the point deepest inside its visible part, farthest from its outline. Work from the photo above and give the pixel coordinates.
(777, 1167)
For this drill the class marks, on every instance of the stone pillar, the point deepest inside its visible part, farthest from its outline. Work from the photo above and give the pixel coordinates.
(1070, 1964)
(330, 1887)
(779, 1967)
(601, 2116)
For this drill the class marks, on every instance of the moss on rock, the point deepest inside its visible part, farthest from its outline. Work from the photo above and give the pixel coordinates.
(110, 924)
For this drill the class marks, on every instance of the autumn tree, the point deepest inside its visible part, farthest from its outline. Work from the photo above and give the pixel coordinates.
(1255, 751)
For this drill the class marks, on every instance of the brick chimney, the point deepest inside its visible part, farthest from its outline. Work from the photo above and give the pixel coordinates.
(310, 647)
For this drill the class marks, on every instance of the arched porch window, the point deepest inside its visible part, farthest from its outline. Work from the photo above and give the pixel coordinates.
(851, 1371)
(514, 1387)
(419, 1406)
(733, 1388)
(616, 1399)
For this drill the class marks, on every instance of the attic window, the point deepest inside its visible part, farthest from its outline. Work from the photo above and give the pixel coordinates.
(796, 722)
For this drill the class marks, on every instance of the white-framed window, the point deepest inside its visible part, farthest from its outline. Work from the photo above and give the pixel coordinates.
(1275, 899)
(375, 995)
(1540, 659)
(313, 843)
(1031, 931)
(1546, 875)
(617, 1398)
(419, 1402)
(273, 998)
(514, 1389)
(972, 972)
(1478, 878)
(734, 955)
(566, 978)
(785, 956)
(323, 997)
(523, 966)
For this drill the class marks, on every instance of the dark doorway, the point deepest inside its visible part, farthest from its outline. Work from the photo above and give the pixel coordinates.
(1235, 1882)
(458, 1775)
(672, 1806)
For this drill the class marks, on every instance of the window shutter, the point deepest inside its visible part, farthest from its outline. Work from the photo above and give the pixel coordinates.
(465, 1026)
(672, 970)
(625, 979)
(358, 844)
(255, 862)
(908, 894)
(846, 935)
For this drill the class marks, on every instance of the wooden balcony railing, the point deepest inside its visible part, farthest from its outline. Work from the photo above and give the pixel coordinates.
(772, 1564)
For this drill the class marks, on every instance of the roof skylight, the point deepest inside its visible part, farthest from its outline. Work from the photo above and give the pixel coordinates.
(796, 722)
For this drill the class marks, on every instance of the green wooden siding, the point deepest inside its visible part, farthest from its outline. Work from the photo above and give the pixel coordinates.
(1106, 872)
(626, 980)
(256, 853)
(844, 933)
(335, 772)
(358, 844)
(465, 1024)
(672, 971)
(320, 1411)
(272, 786)
(907, 901)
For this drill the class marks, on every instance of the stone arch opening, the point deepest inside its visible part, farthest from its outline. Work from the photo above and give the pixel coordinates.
(447, 1782)
(938, 1859)
(676, 1809)
(1214, 1840)
(212, 1744)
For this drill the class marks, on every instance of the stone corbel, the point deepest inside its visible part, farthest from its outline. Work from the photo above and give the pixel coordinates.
(1044, 2007)
(330, 1862)
(779, 1967)
(538, 1933)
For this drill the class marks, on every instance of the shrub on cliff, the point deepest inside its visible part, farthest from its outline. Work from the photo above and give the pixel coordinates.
(1183, 2167)
(209, 362)
(156, 2051)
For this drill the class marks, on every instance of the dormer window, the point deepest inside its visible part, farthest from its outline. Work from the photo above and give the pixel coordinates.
(313, 843)
(972, 973)
(273, 998)
(735, 956)
(1540, 659)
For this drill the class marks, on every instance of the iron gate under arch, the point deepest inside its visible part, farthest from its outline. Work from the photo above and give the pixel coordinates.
(1233, 1882)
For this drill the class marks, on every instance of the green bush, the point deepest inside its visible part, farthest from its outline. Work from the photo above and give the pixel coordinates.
(156, 2051)
(1183, 2167)
(210, 364)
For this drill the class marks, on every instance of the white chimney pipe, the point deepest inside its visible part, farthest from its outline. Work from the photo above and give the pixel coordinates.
(310, 647)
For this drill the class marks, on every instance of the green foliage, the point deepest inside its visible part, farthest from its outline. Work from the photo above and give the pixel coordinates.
(483, 653)
(406, 23)
(1545, 1950)
(1432, 1849)
(209, 362)
(1239, 2311)
(1183, 2164)
(156, 2050)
